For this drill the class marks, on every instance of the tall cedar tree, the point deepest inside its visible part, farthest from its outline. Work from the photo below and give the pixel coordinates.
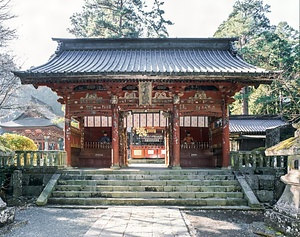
(120, 19)
(270, 47)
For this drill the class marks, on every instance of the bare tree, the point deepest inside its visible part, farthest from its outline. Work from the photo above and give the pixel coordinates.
(6, 33)
(8, 82)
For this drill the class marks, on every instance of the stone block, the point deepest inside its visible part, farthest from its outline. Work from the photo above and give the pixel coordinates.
(2, 204)
(266, 182)
(278, 189)
(25, 179)
(252, 180)
(266, 171)
(32, 191)
(46, 178)
(36, 180)
(17, 183)
(7, 214)
(265, 195)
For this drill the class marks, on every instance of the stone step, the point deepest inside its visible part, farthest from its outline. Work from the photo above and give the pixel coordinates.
(147, 195)
(147, 177)
(153, 171)
(188, 188)
(152, 201)
(197, 187)
(146, 161)
(148, 182)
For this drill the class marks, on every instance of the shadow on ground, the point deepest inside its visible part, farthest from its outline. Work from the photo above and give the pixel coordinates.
(226, 223)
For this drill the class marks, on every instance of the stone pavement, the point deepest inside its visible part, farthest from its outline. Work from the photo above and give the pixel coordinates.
(136, 221)
(133, 221)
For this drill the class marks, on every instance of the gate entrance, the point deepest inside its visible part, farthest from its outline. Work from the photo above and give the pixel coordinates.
(147, 137)
(147, 145)
(121, 86)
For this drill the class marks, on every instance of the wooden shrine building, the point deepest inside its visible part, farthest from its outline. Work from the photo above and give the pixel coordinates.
(37, 122)
(146, 94)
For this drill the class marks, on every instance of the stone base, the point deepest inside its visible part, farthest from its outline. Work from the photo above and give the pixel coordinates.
(175, 167)
(115, 167)
(282, 222)
(7, 216)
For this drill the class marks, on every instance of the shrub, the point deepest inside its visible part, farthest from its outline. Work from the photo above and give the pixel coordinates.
(4, 148)
(17, 142)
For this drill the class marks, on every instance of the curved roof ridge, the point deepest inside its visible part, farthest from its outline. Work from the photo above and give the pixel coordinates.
(143, 43)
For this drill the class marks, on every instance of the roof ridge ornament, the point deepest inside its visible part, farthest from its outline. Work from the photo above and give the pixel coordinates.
(232, 48)
(59, 48)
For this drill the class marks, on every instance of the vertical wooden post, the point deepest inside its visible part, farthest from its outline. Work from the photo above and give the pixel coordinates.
(167, 140)
(225, 135)
(68, 131)
(81, 127)
(176, 134)
(122, 141)
(115, 138)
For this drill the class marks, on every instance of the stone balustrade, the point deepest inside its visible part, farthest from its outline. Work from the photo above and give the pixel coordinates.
(34, 159)
(241, 160)
(293, 162)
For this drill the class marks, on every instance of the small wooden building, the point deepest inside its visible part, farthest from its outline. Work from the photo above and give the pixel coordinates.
(146, 94)
(42, 130)
(248, 132)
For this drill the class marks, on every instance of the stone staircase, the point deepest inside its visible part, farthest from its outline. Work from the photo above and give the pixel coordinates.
(148, 187)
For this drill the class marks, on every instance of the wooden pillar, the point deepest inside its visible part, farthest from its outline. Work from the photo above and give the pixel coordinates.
(82, 141)
(122, 141)
(68, 132)
(115, 134)
(225, 135)
(176, 134)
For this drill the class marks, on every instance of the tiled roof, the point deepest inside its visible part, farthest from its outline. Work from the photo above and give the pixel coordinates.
(28, 122)
(212, 56)
(252, 125)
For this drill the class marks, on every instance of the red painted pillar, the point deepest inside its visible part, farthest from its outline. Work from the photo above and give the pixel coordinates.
(176, 137)
(115, 137)
(68, 132)
(225, 135)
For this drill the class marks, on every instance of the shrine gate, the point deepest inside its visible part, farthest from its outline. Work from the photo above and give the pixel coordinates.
(146, 94)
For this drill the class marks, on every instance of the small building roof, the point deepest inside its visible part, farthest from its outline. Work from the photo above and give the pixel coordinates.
(253, 123)
(197, 57)
(33, 117)
(28, 122)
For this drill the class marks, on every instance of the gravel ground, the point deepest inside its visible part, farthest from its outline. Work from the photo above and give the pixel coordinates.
(54, 222)
(223, 223)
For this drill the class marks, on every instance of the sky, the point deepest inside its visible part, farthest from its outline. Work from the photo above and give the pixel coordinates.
(38, 21)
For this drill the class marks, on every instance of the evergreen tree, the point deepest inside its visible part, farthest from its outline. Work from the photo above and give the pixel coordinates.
(119, 18)
(270, 47)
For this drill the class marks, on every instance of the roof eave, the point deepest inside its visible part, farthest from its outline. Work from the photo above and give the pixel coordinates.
(261, 77)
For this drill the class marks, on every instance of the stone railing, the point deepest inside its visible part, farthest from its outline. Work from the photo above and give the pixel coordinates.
(241, 160)
(294, 162)
(34, 159)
